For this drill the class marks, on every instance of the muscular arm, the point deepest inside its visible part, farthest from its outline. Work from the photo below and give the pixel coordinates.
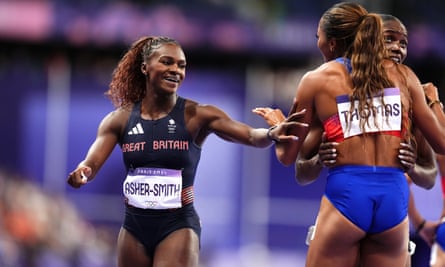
(424, 171)
(424, 174)
(106, 139)
(429, 119)
(308, 164)
(218, 122)
(287, 152)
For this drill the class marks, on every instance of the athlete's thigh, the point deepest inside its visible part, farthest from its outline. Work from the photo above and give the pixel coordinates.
(389, 248)
(336, 240)
(178, 249)
(130, 252)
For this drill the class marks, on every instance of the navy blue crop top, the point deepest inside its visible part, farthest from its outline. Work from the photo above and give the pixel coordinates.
(162, 143)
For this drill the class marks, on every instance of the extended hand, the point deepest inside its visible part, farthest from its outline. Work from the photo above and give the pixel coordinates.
(292, 124)
(79, 176)
(270, 115)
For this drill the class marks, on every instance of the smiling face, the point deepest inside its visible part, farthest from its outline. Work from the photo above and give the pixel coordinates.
(165, 68)
(396, 39)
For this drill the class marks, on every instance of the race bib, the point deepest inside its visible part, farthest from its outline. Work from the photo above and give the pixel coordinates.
(153, 188)
(384, 115)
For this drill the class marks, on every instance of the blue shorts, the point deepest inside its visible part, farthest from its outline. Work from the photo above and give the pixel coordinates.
(150, 227)
(373, 198)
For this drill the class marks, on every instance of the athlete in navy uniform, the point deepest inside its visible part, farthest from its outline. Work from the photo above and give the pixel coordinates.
(161, 134)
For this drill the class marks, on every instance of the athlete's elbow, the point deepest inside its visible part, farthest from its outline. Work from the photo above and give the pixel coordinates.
(284, 157)
(302, 176)
(424, 180)
(428, 182)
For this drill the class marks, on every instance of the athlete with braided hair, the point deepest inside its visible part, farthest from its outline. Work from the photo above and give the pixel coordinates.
(367, 104)
(160, 135)
(418, 163)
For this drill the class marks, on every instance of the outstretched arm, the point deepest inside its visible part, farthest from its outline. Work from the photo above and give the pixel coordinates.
(107, 137)
(218, 122)
(271, 116)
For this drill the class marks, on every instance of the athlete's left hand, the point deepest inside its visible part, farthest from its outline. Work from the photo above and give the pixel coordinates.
(270, 115)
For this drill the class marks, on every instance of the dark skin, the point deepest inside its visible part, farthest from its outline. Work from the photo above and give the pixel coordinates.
(379, 249)
(164, 71)
(339, 241)
(419, 163)
(315, 154)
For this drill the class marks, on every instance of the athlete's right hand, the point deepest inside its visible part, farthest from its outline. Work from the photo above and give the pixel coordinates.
(79, 176)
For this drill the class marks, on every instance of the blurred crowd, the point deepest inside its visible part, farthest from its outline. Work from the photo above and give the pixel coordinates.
(40, 229)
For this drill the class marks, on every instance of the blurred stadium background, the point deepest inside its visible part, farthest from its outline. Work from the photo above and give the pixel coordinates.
(56, 60)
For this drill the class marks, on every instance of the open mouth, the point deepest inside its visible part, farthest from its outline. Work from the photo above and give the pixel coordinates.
(396, 59)
(173, 79)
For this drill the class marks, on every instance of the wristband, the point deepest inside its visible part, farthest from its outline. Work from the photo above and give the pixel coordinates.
(270, 136)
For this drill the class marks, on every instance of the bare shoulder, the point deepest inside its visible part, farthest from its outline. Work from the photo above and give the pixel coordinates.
(203, 119)
(327, 72)
(404, 77)
(399, 70)
(116, 120)
(118, 114)
(410, 74)
(202, 111)
(324, 78)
